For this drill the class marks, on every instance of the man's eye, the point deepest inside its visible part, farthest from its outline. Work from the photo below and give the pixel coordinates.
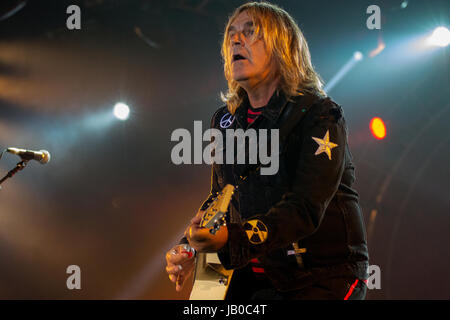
(249, 32)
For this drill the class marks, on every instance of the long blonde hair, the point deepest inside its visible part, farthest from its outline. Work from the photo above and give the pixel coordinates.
(286, 45)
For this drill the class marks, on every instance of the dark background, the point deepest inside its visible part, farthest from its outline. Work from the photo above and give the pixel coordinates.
(112, 202)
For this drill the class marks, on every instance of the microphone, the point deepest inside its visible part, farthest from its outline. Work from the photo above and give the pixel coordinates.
(43, 156)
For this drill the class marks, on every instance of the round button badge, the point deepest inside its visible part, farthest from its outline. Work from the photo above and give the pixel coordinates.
(226, 120)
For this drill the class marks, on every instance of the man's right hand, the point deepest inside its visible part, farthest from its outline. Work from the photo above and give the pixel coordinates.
(179, 264)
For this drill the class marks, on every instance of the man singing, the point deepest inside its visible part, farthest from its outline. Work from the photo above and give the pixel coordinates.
(299, 233)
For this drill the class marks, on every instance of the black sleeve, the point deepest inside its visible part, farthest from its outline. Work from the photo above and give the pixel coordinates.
(300, 211)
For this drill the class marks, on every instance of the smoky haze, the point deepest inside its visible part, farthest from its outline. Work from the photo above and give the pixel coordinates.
(112, 202)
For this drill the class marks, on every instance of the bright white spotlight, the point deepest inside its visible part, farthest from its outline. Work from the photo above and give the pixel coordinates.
(358, 55)
(440, 37)
(121, 111)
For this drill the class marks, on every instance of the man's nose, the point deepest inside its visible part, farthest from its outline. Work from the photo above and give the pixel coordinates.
(237, 38)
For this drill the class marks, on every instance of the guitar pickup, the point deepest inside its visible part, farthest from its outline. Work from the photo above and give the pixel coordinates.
(217, 218)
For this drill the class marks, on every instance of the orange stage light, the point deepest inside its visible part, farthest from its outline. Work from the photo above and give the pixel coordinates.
(378, 128)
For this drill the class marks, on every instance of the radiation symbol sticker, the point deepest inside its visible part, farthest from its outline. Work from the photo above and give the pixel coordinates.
(256, 231)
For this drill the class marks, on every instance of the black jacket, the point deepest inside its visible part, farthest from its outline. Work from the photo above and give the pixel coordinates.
(309, 201)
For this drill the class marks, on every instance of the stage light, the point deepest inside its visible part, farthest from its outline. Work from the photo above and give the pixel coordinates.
(378, 128)
(378, 49)
(358, 55)
(121, 111)
(404, 4)
(440, 37)
(355, 58)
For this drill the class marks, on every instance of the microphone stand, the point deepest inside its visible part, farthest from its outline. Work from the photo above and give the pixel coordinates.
(17, 168)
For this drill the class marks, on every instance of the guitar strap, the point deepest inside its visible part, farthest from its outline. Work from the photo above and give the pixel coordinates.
(291, 114)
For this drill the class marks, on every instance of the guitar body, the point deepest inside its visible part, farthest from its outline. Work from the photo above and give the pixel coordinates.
(211, 279)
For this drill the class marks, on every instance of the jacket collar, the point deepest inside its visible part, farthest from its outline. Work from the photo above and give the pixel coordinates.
(272, 110)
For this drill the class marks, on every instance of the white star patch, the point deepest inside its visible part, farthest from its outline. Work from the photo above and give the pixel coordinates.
(324, 145)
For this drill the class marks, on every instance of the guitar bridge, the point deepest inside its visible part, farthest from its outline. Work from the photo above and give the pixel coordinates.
(223, 281)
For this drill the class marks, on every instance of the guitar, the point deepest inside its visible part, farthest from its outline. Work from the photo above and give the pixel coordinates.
(211, 279)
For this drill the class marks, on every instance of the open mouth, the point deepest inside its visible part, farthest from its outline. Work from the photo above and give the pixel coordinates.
(237, 57)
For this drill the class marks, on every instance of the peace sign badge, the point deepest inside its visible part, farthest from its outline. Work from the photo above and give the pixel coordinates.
(226, 120)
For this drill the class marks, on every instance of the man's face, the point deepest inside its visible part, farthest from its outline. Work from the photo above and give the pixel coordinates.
(251, 62)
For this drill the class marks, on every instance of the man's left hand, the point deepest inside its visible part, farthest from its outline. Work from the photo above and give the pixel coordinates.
(201, 239)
